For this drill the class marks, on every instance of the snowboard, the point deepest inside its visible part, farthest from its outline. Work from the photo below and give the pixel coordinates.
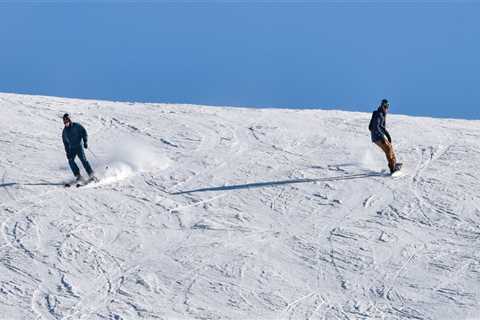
(398, 170)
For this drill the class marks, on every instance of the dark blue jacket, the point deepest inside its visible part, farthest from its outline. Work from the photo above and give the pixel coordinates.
(72, 137)
(377, 126)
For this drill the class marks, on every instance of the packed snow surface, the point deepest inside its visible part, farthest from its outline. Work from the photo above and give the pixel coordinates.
(224, 213)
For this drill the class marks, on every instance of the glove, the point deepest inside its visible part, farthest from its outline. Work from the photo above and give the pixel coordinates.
(388, 137)
(68, 152)
(85, 145)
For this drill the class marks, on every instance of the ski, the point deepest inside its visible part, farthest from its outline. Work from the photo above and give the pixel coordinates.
(69, 184)
(89, 181)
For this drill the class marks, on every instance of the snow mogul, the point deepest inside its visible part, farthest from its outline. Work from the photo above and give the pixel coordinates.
(72, 137)
(381, 137)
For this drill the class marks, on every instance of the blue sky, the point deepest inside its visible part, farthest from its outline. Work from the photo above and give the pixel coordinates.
(423, 57)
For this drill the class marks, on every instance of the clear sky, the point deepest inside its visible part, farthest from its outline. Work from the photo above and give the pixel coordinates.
(423, 57)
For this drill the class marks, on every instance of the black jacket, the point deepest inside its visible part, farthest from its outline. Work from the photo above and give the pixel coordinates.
(72, 137)
(377, 127)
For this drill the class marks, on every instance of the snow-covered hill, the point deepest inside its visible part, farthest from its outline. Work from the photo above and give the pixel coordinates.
(224, 213)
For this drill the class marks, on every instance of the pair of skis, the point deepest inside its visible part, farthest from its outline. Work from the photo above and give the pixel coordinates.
(80, 183)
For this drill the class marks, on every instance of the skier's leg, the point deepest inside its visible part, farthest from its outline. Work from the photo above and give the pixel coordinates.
(83, 159)
(73, 166)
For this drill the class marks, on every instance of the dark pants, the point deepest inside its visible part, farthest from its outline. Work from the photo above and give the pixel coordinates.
(81, 155)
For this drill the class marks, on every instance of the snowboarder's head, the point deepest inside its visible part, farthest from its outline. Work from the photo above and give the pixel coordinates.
(66, 120)
(384, 105)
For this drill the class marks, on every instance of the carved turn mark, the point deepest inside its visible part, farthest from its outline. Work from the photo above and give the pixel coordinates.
(368, 201)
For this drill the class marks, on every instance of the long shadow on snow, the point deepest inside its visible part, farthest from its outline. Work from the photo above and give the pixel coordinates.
(281, 182)
(11, 184)
(8, 184)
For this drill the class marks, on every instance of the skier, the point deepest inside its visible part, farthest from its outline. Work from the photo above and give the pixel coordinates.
(72, 136)
(380, 135)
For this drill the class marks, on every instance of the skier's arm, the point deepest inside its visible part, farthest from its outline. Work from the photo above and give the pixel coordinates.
(84, 136)
(65, 143)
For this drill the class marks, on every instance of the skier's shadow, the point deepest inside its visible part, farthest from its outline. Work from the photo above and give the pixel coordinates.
(44, 184)
(281, 182)
(11, 184)
(8, 184)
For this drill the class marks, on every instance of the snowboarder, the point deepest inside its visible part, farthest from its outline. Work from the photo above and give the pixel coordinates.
(380, 135)
(72, 136)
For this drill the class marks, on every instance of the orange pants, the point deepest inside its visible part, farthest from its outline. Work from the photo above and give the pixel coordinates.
(387, 147)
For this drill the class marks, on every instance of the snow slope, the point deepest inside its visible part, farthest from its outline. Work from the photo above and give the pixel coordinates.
(224, 213)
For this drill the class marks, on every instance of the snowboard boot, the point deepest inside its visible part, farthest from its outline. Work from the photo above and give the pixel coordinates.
(392, 169)
(396, 168)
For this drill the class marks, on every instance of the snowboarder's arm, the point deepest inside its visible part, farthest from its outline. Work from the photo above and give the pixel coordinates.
(387, 135)
(376, 124)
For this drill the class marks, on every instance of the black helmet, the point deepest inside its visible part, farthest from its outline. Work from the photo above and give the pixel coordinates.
(384, 103)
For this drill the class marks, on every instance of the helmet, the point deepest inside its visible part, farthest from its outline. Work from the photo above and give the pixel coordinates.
(384, 103)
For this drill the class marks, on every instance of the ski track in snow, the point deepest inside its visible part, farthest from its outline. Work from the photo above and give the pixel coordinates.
(241, 214)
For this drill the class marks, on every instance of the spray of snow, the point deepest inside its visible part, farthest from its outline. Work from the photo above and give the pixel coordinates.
(128, 157)
(368, 158)
(373, 159)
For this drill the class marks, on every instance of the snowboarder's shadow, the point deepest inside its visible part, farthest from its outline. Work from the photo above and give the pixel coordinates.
(334, 167)
(282, 182)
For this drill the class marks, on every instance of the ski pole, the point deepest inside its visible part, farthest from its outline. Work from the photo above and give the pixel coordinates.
(98, 159)
(94, 155)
